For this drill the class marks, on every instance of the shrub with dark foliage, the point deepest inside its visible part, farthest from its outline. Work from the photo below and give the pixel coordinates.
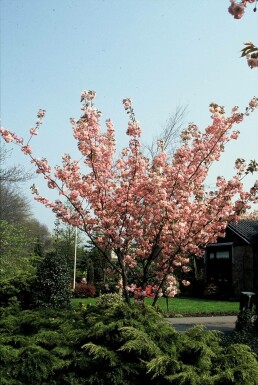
(52, 285)
(82, 290)
(246, 321)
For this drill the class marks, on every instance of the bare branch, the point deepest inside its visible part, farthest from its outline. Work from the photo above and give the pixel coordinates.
(11, 174)
(169, 134)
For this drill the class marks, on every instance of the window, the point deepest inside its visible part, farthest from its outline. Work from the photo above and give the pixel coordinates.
(219, 265)
(219, 254)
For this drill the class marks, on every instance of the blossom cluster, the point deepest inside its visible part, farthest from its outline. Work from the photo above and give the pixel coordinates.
(252, 61)
(237, 9)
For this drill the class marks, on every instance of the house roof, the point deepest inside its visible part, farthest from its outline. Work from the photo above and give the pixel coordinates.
(247, 229)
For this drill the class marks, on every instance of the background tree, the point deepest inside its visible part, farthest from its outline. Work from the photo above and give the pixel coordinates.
(64, 244)
(14, 207)
(43, 240)
(22, 238)
(16, 250)
(17, 265)
(98, 271)
(11, 174)
(169, 136)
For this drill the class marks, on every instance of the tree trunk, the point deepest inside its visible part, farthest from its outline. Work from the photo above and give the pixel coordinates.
(124, 279)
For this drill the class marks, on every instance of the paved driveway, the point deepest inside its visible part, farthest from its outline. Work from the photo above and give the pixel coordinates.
(225, 324)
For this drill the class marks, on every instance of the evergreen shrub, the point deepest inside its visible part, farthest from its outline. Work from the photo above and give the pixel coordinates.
(135, 345)
(113, 343)
(17, 290)
(242, 337)
(246, 321)
(110, 299)
(52, 284)
(40, 347)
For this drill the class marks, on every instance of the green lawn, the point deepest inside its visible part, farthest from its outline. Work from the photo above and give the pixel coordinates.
(184, 306)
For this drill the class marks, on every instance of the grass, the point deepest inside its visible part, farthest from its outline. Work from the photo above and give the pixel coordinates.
(180, 306)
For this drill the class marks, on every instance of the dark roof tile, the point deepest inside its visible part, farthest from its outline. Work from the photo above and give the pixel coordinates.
(246, 228)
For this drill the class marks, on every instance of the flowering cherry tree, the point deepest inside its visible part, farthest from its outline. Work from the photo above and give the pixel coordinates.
(151, 213)
(237, 10)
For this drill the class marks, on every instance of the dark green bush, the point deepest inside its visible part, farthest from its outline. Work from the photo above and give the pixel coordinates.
(242, 337)
(52, 283)
(17, 290)
(246, 321)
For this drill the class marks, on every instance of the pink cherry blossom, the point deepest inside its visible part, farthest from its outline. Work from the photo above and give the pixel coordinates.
(26, 150)
(33, 131)
(51, 184)
(250, 51)
(252, 62)
(236, 9)
(153, 213)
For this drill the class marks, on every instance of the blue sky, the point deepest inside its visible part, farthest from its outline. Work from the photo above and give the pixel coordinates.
(161, 53)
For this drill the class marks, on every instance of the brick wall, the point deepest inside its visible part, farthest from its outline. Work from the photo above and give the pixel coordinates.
(242, 269)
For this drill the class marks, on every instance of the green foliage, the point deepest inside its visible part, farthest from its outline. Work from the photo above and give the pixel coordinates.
(120, 339)
(113, 343)
(64, 244)
(40, 347)
(134, 345)
(17, 290)
(203, 360)
(16, 250)
(111, 299)
(246, 321)
(98, 271)
(238, 366)
(137, 341)
(42, 238)
(52, 282)
(243, 338)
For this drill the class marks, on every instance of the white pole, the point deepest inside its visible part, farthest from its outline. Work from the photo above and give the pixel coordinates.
(75, 257)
